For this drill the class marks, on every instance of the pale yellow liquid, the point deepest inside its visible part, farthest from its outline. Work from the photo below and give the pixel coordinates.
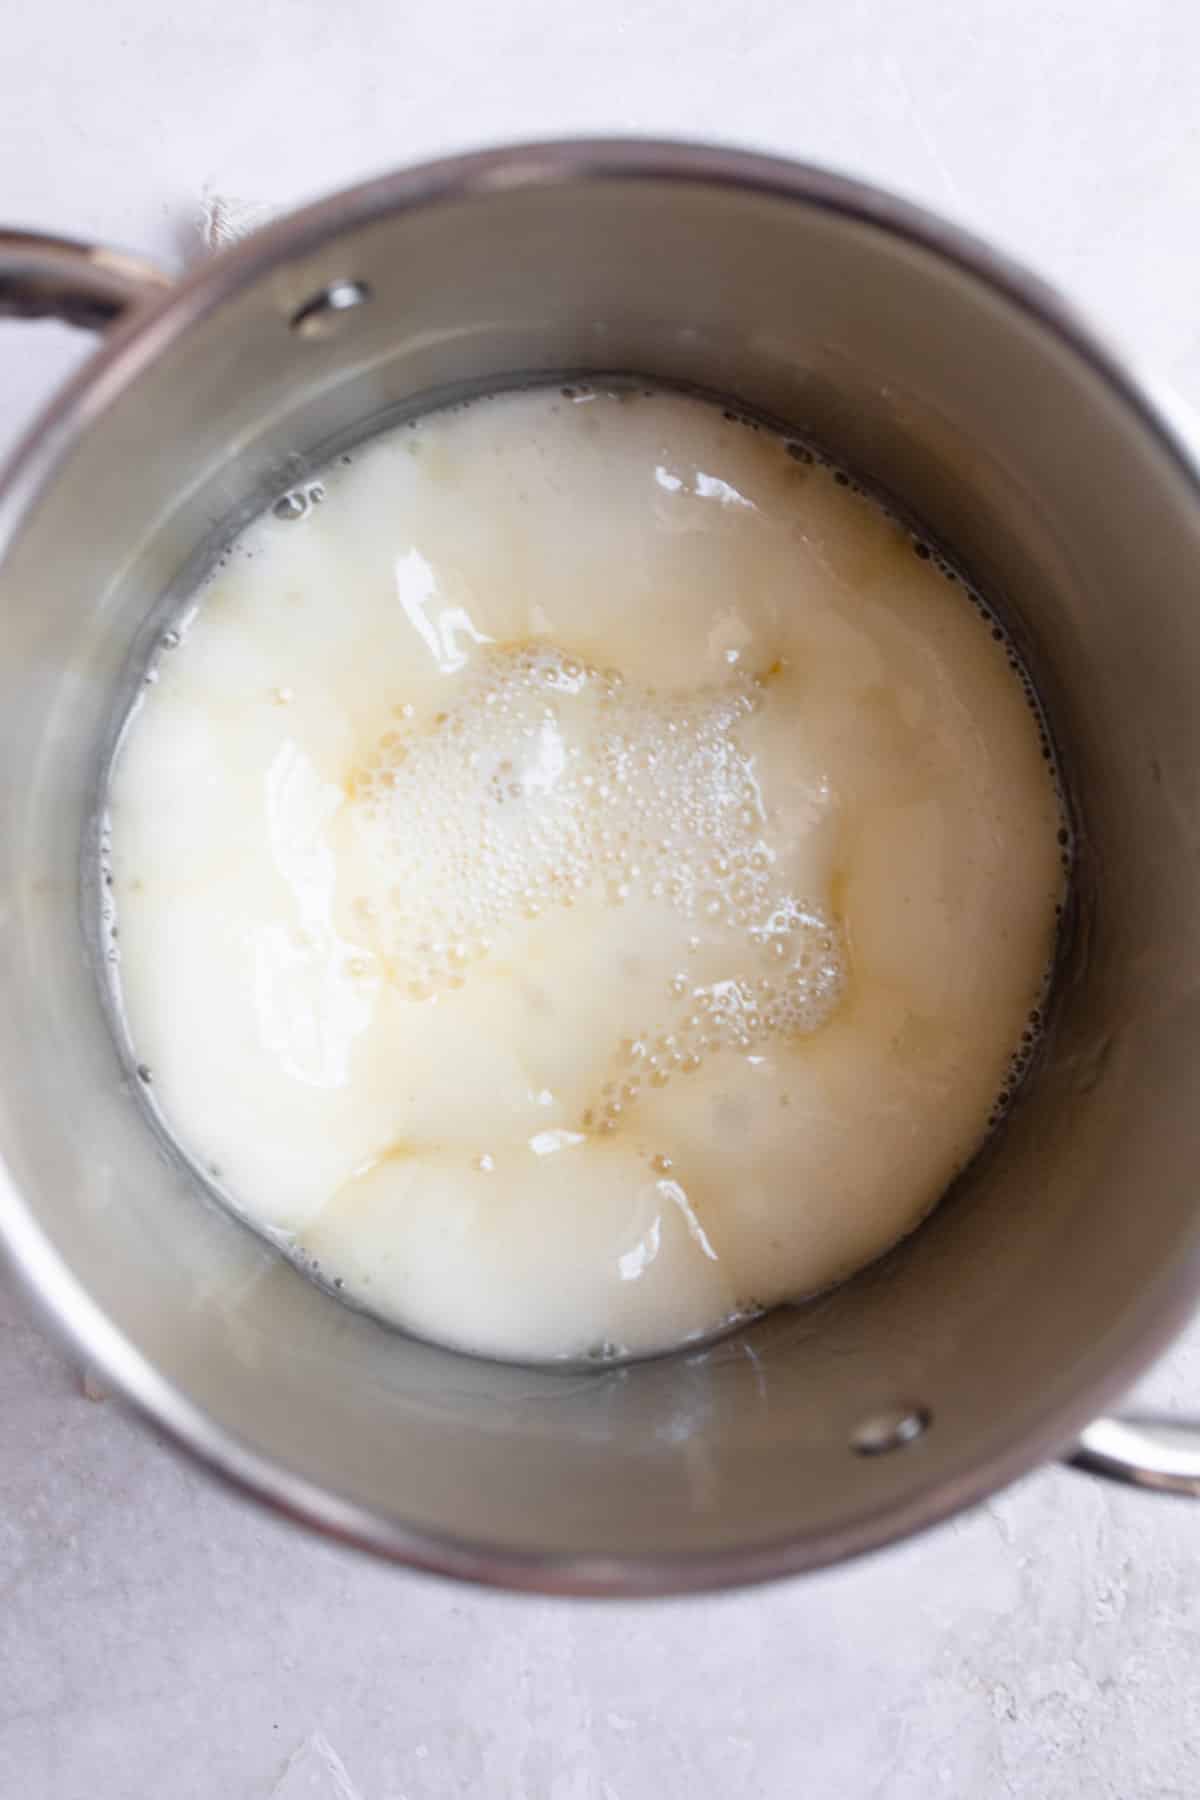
(583, 879)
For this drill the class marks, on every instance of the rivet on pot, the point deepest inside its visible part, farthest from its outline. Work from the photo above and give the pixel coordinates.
(889, 1430)
(321, 315)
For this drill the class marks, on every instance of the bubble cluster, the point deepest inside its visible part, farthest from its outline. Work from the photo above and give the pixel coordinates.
(742, 1012)
(298, 502)
(547, 780)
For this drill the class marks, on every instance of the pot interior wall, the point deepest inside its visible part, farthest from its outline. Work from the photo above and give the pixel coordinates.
(1064, 1256)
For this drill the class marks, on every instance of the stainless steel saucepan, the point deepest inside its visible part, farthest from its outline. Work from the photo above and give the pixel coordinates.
(1068, 1256)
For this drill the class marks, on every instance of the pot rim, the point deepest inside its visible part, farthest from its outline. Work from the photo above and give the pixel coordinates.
(148, 332)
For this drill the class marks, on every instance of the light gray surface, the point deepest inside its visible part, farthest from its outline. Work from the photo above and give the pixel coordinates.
(157, 1638)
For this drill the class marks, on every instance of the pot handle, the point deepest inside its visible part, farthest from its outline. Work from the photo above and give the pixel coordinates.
(79, 284)
(1161, 1453)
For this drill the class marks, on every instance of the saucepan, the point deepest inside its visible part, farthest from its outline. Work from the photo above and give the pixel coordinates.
(1069, 1253)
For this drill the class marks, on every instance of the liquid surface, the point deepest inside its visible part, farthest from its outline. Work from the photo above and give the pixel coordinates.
(583, 874)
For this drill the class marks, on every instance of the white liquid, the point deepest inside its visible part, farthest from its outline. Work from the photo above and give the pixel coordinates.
(584, 879)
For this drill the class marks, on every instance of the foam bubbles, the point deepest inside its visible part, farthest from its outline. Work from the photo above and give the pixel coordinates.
(548, 780)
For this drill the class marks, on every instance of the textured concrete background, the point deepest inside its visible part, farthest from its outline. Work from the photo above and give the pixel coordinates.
(161, 1641)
